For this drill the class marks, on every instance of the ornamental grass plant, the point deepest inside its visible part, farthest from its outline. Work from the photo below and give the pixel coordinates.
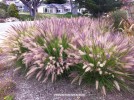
(86, 50)
(105, 60)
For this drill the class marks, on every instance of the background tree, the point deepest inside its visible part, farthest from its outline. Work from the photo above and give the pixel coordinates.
(98, 7)
(32, 5)
(13, 11)
(71, 4)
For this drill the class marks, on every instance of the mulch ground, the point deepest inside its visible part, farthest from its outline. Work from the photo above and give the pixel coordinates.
(60, 90)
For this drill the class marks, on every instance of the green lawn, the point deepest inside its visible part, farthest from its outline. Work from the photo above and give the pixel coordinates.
(26, 16)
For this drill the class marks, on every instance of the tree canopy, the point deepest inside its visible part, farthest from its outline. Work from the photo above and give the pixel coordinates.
(98, 7)
(56, 1)
(32, 5)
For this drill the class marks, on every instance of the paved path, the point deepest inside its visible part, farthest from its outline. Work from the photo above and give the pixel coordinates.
(4, 27)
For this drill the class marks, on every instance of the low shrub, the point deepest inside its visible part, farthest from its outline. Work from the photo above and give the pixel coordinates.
(117, 17)
(80, 48)
(25, 17)
(13, 11)
(3, 6)
(39, 16)
(2, 13)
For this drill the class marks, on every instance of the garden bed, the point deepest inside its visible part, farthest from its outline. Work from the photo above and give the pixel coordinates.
(34, 90)
(57, 52)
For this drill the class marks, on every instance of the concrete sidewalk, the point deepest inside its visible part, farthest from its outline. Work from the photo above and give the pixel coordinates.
(4, 27)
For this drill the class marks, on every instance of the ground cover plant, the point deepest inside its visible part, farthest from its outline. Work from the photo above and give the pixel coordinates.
(84, 49)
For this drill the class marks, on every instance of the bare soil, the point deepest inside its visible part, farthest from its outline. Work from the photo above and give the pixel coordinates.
(60, 90)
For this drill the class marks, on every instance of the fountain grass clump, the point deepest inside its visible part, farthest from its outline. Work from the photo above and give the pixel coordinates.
(84, 49)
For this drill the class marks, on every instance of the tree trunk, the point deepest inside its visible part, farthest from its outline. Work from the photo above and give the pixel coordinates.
(32, 6)
(71, 4)
(74, 8)
(33, 12)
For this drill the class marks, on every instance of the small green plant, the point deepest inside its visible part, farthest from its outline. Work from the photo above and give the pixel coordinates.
(9, 97)
(13, 11)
